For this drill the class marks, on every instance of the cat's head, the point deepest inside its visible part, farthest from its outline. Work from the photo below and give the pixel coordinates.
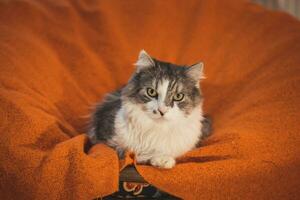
(164, 90)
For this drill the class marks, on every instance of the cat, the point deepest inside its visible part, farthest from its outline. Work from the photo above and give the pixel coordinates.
(157, 115)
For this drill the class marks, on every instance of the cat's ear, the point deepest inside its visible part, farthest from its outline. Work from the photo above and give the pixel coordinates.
(196, 71)
(144, 61)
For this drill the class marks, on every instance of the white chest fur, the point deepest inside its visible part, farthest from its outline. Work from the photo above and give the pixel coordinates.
(149, 138)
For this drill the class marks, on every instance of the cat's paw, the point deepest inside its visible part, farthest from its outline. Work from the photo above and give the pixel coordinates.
(166, 162)
(140, 159)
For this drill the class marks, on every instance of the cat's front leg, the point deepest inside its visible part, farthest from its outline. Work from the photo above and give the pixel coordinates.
(163, 161)
(142, 158)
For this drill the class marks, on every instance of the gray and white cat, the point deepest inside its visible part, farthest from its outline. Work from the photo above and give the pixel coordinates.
(157, 115)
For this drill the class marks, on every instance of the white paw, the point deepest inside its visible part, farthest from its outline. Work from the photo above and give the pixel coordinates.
(166, 162)
(142, 159)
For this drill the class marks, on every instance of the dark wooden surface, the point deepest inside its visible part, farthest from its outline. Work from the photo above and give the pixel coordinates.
(130, 174)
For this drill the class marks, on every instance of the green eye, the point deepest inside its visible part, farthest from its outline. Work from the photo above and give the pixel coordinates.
(151, 92)
(178, 97)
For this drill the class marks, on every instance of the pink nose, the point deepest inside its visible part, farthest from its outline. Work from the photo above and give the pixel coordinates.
(162, 110)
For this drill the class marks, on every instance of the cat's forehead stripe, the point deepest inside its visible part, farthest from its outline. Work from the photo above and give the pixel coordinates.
(172, 85)
(156, 83)
(163, 88)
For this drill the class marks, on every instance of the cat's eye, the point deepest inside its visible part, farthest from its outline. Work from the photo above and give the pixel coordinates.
(151, 92)
(178, 97)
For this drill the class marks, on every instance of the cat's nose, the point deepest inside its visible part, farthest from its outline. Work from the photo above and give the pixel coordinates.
(162, 110)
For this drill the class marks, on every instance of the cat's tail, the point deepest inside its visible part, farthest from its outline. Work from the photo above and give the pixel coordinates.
(206, 126)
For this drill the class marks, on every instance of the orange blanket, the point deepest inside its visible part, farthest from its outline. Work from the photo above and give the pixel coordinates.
(57, 58)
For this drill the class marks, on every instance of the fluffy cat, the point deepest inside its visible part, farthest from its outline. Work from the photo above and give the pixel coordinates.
(157, 115)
